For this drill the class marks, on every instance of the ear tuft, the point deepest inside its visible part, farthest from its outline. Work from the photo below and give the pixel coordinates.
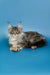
(20, 26)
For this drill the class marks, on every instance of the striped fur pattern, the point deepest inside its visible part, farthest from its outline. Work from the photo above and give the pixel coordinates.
(19, 40)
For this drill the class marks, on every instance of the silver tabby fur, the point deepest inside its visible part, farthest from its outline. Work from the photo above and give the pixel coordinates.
(19, 40)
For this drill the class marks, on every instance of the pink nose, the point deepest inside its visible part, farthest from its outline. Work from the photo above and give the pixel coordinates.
(15, 33)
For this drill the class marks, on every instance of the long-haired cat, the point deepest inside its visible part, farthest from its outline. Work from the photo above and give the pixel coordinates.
(19, 40)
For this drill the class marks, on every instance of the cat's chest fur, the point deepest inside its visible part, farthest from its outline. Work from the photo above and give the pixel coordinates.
(15, 39)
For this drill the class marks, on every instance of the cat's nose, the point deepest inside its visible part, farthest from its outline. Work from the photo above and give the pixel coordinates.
(15, 33)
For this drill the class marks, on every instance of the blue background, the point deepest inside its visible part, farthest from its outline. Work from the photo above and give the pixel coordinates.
(35, 16)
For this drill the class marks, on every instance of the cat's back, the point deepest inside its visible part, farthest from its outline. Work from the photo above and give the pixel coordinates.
(31, 33)
(34, 35)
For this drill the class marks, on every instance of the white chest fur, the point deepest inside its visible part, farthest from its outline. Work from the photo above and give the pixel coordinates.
(15, 39)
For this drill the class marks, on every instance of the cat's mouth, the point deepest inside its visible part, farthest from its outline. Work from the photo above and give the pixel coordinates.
(15, 33)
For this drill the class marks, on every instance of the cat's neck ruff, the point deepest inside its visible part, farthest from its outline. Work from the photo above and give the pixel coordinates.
(17, 37)
(13, 39)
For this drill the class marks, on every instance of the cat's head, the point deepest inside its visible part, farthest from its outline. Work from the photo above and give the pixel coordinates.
(15, 30)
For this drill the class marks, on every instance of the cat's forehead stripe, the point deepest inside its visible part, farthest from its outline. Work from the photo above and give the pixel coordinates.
(15, 28)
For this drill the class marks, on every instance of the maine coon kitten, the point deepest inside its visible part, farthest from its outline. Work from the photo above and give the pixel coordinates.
(19, 40)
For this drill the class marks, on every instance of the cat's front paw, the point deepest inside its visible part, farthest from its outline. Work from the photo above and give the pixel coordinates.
(13, 49)
(18, 49)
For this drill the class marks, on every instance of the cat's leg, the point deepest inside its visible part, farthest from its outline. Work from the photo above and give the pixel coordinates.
(12, 47)
(15, 48)
(19, 48)
(33, 47)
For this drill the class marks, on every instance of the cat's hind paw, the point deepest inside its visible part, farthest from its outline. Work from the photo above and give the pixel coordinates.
(33, 47)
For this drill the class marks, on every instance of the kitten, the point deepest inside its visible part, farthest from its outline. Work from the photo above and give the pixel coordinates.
(19, 40)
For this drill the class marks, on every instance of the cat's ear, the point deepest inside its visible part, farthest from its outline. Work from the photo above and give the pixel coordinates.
(20, 26)
(9, 26)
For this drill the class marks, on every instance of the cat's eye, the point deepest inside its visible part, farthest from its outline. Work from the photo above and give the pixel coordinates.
(17, 31)
(12, 31)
